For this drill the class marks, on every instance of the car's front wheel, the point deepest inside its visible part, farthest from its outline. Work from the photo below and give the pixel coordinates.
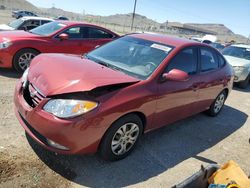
(23, 58)
(121, 138)
(217, 105)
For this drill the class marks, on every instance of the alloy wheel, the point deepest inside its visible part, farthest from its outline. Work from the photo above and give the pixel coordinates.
(124, 138)
(24, 60)
(219, 102)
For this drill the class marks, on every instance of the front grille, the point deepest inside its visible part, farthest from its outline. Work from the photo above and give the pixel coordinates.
(32, 96)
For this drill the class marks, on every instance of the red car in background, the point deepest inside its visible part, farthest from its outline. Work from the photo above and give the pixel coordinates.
(105, 100)
(17, 48)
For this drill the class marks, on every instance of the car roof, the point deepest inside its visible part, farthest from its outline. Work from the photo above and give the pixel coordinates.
(165, 39)
(68, 23)
(241, 45)
(35, 18)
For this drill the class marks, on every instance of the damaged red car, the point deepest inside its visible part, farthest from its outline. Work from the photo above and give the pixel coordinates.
(105, 100)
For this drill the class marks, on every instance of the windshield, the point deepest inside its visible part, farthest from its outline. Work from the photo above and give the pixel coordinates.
(237, 52)
(47, 29)
(133, 56)
(16, 23)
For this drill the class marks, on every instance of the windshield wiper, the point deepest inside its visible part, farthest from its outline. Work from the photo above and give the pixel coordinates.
(97, 61)
(113, 67)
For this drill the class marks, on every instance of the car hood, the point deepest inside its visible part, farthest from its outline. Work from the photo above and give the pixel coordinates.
(4, 27)
(17, 34)
(235, 61)
(54, 74)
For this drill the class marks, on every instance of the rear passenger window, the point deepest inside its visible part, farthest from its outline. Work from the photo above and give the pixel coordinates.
(221, 61)
(209, 60)
(186, 60)
(97, 33)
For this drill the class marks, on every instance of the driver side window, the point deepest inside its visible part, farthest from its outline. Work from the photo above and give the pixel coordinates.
(185, 60)
(74, 33)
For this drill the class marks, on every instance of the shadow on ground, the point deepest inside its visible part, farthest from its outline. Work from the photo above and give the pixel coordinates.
(11, 73)
(157, 152)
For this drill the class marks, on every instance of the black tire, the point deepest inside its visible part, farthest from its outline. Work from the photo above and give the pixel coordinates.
(244, 84)
(214, 110)
(106, 150)
(19, 55)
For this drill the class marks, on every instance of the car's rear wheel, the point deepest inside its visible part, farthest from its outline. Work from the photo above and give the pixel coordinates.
(121, 138)
(22, 59)
(218, 104)
(244, 83)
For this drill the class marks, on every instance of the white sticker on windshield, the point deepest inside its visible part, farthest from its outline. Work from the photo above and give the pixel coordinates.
(161, 47)
(248, 49)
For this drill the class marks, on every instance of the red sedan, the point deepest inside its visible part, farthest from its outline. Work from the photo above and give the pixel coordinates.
(17, 48)
(107, 99)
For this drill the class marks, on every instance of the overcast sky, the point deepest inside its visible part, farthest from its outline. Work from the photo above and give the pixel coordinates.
(235, 14)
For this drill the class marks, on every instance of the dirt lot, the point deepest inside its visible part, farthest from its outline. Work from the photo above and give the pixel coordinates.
(162, 159)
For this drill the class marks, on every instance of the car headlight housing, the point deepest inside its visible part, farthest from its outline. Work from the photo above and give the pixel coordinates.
(238, 68)
(69, 108)
(24, 78)
(5, 44)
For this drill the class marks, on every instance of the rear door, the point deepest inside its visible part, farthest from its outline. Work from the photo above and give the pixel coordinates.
(95, 37)
(212, 80)
(177, 99)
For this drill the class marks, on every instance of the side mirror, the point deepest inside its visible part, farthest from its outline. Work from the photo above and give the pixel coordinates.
(63, 36)
(175, 75)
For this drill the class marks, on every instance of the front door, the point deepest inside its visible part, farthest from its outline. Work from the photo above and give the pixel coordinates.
(176, 99)
(72, 45)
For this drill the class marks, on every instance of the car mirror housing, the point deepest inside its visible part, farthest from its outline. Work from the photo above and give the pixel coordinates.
(175, 75)
(64, 36)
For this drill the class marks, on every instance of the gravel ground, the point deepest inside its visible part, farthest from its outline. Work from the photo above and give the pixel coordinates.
(162, 159)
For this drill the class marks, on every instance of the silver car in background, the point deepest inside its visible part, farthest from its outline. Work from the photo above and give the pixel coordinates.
(25, 23)
(238, 55)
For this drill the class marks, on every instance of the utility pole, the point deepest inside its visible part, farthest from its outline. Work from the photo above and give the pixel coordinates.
(133, 16)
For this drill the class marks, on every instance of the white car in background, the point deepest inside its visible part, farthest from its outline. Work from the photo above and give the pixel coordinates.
(25, 23)
(238, 55)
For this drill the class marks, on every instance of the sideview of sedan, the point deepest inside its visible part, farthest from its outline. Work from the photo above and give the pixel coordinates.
(107, 99)
(17, 48)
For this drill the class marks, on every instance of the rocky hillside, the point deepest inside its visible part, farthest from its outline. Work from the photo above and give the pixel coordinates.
(18, 5)
(125, 19)
(219, 28)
